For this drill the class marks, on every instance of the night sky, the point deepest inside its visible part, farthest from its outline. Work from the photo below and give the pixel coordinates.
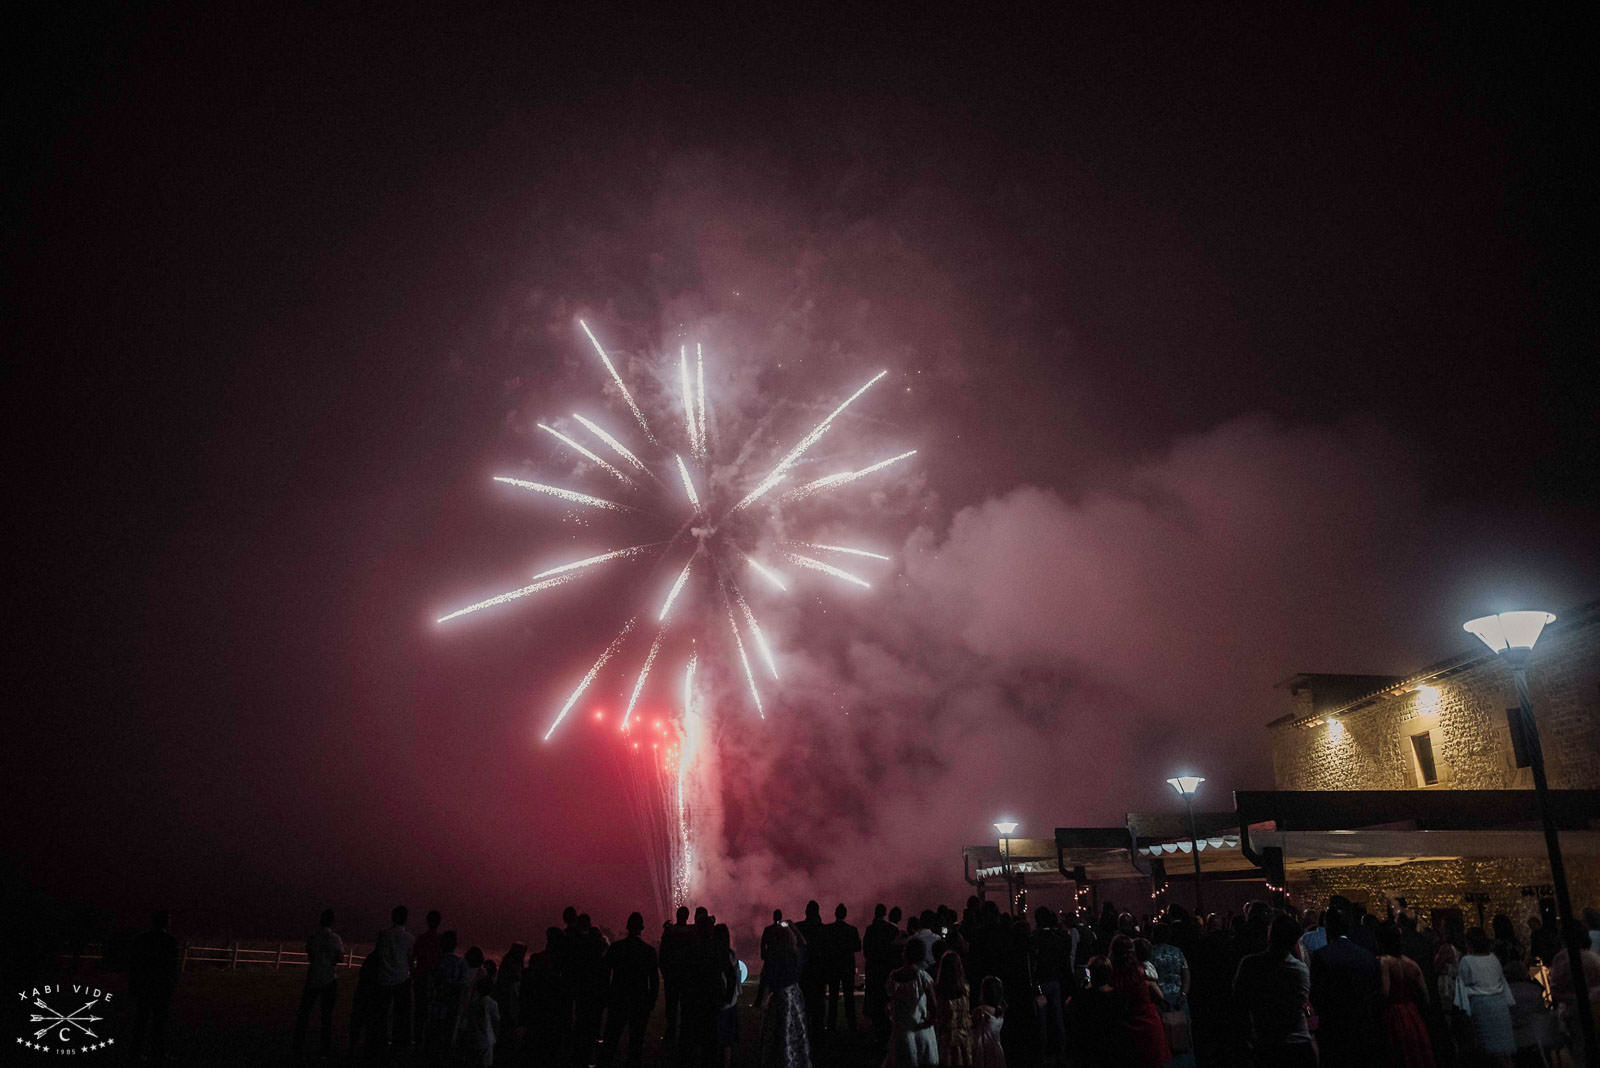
(1235, 344)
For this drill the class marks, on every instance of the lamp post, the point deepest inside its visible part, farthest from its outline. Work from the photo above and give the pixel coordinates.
(1006, 828)
(1511, 636)
(1187, 786)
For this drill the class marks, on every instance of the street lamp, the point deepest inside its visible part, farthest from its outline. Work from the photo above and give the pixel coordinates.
(1511, 636)
(1187, 786)
(1006, 829)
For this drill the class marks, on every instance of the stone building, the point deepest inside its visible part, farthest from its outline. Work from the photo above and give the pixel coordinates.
(1446, 728)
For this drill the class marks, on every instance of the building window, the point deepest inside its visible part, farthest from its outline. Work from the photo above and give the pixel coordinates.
(1422, 747)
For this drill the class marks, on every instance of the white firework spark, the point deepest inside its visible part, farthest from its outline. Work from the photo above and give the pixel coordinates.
(632, 406)
(844, 478)
(570, 496)
(677, 587)
(799, 450)
(843, 549)
(688, 486)
(588, 455)
(828, 569)
(766, 573)
(611, 650)
(616, 446)
(504, 597)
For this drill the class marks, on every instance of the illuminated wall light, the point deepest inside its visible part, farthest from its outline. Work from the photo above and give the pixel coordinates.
(1427, 695)
(1336, 731)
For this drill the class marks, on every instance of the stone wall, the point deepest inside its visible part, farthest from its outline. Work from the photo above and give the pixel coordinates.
(1447, 884)
(1371, 748)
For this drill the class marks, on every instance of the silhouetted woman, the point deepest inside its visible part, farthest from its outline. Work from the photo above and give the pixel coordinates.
(1404, 993)
(1143, 1039)
(953, 1021)
(784, 1042)
(913, 1001)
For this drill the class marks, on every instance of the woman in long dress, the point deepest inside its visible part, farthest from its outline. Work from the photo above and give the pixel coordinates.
(1404, 993)
(953, 1021)
(784, 1042)
(987, 1020)
(1482, 993)
(913, 1001)
(1143, 1038)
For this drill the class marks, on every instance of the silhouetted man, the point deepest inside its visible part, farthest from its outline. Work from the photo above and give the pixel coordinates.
(324, 950)
(426, 954)
(843, 942)
(881, 956)
(813, 964)
(1270, 988)
(152, 977)
(1345, 984)
(632, 984)
(771, 933)
(589, 962)
(675, 939)
(393, 949)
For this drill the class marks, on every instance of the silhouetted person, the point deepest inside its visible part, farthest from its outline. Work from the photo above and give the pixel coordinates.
(480, 1025)
(363, 1007)
(632, 983)
(1270, 989)
(675, 942)
(702, 996)
(589, 962)
(772, 933)
(508, 996)
(548, 1030)
(152, 978)
(784, 1041)
(813, 935)
(843, 942)
(880, 958)
(324, 950)
(394, 950)
(447, 991)
(426, 954)
(1344, 989)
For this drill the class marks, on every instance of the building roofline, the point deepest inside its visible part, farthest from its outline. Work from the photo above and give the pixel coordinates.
(1575, 619)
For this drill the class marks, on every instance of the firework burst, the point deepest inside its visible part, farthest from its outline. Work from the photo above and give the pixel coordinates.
(705, 539)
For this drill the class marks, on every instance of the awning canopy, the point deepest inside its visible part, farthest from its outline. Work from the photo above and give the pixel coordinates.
(1272, 833)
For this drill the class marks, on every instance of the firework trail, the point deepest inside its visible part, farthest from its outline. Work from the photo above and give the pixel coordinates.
(799, 450)
(700, 407)
(691, 423)
(614, 554)
(616, 446)
(771, 576)
(590, 456)
(755, 632)
(644, 673)
(677, 587)
(611, 650)
(632, 407)
(688, 486)
(828, 569)
(571, 496)
(503, 598)
(738, 643)
(842, 549)
(843, 478)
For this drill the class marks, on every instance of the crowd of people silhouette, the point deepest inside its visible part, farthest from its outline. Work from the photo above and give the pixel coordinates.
(1339, 986)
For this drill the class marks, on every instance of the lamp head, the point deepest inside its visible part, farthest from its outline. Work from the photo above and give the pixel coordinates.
(1005, 827)
(1509, 634)
(1186, 785)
